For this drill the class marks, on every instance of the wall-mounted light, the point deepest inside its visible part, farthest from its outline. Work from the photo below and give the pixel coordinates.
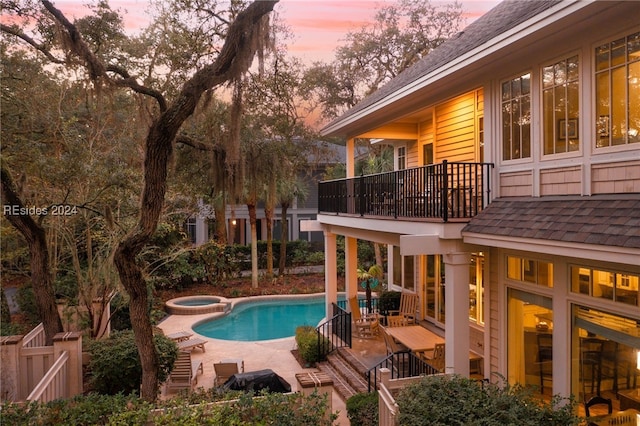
(233, 222)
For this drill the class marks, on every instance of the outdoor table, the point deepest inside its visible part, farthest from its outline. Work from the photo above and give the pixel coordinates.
(415, 337)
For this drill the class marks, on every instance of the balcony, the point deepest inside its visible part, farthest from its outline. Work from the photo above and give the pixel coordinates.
(437, 192)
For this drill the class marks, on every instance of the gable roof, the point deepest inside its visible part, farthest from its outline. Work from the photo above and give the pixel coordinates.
(505, 16)
(608, 220)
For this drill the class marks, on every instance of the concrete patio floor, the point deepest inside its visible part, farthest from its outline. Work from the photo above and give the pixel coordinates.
(270, 354)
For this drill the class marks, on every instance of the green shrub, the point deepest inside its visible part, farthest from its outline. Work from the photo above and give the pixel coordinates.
(27, 302)
(92, 409)
(307, 341)
(278, 409)
(362, 409)
(446, 400)
(115, 364)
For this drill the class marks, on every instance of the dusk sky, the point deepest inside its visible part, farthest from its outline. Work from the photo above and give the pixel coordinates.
(318, 26)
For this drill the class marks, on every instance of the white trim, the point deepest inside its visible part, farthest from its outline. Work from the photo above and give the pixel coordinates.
(611, 254)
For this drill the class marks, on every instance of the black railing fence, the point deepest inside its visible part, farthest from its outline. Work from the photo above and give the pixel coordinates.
(401, 364)
(437, 191)
(335, 332)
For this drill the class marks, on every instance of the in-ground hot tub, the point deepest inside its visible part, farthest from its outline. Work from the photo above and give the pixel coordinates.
(195, 305)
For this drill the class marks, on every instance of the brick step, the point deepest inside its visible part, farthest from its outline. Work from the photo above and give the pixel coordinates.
(347, 373)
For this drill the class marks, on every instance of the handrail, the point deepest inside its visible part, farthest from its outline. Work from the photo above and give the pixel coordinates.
(35, 338)
(445, 191)
(402, 364)
(334, 333)
(54, 383)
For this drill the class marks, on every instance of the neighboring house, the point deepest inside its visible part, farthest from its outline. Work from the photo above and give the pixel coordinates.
(514, 212)
(320, 157)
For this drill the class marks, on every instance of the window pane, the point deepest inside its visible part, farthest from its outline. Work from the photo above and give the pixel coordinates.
(603, 124)
(549, 126)
(618, 106)
(547, 77)
(506, 91)
(515, 132)
(627, 289)
(560, 98)
(602, 57)
(514, 268)
(506, 131)
(633, 47)
(580, 280)
(526, 127)
(545, 274)
(634, 101)
(526, 84)
(618, 55)
(603, 284)
(572, 69)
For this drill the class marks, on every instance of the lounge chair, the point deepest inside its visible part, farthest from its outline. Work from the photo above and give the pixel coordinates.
(179, 336)
(185, 372)
(190, 344)
(366, 325)
(408, 307)
(224, 370)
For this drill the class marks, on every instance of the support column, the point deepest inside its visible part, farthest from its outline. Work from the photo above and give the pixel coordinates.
(351, 266)
(456, 268)
(202, 230)
(330, 272)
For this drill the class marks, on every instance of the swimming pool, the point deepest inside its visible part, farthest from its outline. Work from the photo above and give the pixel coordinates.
(264, 319)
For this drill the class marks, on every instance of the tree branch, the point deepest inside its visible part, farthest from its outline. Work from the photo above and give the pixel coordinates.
(38, 46)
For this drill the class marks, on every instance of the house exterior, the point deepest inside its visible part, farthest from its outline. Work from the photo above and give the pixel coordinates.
(514, 209)
(320, 157)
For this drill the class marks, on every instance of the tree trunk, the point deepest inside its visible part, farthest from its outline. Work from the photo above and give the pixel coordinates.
(35, 236)
(254, 245)
(283, 239)
(234, 59)
(378, 254)
(221, 223)
(268, 215)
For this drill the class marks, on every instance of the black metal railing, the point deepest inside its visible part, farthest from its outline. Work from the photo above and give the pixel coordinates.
(362, 303)
(402, 365)
(335, 332)
(437, 191)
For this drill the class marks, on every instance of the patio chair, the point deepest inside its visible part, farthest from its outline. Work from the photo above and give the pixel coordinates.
(185, 372)
(190, 344)
(392, 346)
(436, 358)
(397, 321)
(597, 400)
(224, 370)
(408, 307)
(367, 325)
(179, 336)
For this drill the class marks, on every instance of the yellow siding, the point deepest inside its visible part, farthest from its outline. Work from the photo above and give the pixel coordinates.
(425, 136)
(455, 131)
(412, 154)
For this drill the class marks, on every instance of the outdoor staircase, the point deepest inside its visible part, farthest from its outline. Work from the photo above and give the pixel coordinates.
(346, 371)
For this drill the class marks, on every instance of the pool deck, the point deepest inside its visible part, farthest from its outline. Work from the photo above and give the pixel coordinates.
(273, 354)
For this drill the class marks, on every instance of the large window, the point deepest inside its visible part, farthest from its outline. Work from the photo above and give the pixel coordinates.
(530, 271)
(618, 92)
(516, 118)
(616, 286)
(561, 108)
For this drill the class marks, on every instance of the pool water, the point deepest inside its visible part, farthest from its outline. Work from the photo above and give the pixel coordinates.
(264, 320)
(195, 302)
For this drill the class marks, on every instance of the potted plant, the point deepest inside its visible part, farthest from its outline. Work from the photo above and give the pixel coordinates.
(370, 280)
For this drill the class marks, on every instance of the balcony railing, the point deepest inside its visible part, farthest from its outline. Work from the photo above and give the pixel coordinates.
(438, 191)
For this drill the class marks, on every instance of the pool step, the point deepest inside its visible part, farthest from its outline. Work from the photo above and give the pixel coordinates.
(346, 371)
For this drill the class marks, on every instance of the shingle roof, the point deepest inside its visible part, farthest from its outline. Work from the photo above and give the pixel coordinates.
(610, 220)
(498, 20)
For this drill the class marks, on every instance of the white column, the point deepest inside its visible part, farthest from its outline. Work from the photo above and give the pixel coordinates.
(202, 231)
(351, 266)
(330, 272)
(456, 268)
(350, 157)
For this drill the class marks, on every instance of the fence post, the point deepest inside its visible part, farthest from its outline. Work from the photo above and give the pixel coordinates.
(72, 343)
(9, 374)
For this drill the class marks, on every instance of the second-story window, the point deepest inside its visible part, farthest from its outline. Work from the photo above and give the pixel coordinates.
(402, 158)
(561, 106)
(618, 92)
(516, 118)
